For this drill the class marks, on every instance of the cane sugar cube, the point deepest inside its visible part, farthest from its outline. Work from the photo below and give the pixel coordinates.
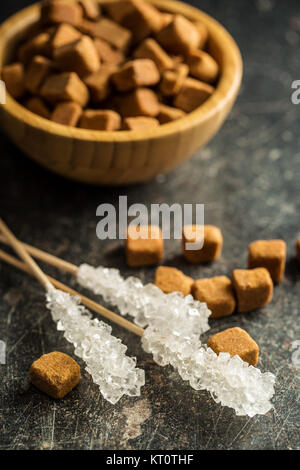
(13, 76)
(140, 102)
(80, 57)
(212, 243)
(139, 123)
(143, 20)
(107, 54)
(38, 45)
(217, 293)
(298, 249)
(59, 11)
(65, 87)
(269, 254)
(145, 250)
(100, 120)
(136, 73)
(150, 49)
(113, 33)
(202, 66)
(65, 34)
(91, 9)
(37, 106)
(67, 114)
(236, 342)
(55, 374)
(192, 94)
(39, 68)
(99, 83)
(169, 114)
(203, 33)
(179, 36)
(172, 280)
(253, 288)
(117, 11)
(173, 80)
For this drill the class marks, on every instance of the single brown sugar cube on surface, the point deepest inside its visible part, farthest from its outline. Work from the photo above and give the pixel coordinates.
(140, 102)
(179, 36)
(169, 114)
(253, 288)
(59, 11)
(37, 106)
(172, 280)
(298, 249)
(136, 73)
(202, 66)
(107, 54)
(146, 250)
(38, 45)
(217, 293)
(39, 68)
(99, 83)
(55, 373)
(65, 34)
(113, 33)
(13, 76)
(91, 9)
(139, 122)
(236, 342)
(67, 113)
(173, 80)
(101, 120)
(80, 57)
(212, 243)
(192, 94)
(150, 49)
(269, 254)
(65, 87)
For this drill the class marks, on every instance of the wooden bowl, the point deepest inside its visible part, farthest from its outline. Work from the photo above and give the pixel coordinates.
(117, 158)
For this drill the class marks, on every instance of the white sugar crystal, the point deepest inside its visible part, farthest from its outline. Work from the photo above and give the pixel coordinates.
(144, 302)
(104, 355)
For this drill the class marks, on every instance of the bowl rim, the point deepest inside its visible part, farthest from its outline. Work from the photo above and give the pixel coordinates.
(227, 88)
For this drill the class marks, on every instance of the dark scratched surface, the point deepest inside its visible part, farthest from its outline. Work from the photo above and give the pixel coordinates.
(248, 178)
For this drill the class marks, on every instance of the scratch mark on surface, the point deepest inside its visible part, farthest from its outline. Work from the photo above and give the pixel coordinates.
(135, 417)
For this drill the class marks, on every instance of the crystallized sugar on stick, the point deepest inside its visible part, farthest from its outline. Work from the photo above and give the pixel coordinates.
(104, 355)
(145, 302)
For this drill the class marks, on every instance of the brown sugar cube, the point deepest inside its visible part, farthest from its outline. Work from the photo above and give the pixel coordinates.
(37, 106)
(59, 11)
(136, 73)
(67, 113)
(80, 57)
(13, 76)
(202, 66)
(169, 114)
(192, 94)
(55, 373)
(65, 34)
(236, 342)
(217, 293)
(140, 102)
(298, 249)
(112, 32)
(173, 80)
(39, 68)
(91, 9)
(172, 280)
(100, 120)
(143, 20)
(38, 45)
(145, 250)
(117, 11)
(203, 33)
(139, 122)
(269, 254)
(212, 244)
(107, 54)
(253, 288)
(179, 36)
(65, 87)
(99, 83)
(150, 49)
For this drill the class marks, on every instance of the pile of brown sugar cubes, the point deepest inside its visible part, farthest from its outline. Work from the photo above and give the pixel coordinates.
(249, 289)
(122, 65)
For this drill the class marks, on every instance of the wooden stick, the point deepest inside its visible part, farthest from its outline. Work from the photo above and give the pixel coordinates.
(20, 250)
(113, 317)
